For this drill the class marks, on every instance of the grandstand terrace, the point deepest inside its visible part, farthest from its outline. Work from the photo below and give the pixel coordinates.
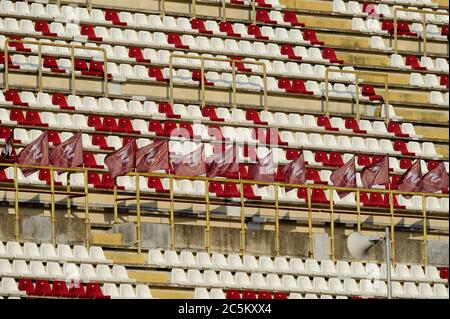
(330, 81)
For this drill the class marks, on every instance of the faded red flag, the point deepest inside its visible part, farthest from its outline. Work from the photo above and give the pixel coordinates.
(8, 154)
(224, 162)
(153, 157)
(435, 180)
(122, 161)
(68, 154)
(376, 174)
(411, 180)
(265, 169)
(345, 176)
(36, 153)
(295, 172)
(191, 164)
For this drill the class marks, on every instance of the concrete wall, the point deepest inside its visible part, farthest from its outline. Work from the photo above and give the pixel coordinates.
(262, 242)
(38, 228)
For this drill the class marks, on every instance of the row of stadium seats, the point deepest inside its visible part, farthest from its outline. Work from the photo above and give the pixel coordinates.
(295, 266)
(285, 143)
(386, 10)
(60, 289)
(303, 284)
(53, 270)
(411, 62)
(47, 252)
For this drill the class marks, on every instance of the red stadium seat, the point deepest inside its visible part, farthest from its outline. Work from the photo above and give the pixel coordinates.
(210, 111)
(26, 285)
(156, 72)
(443, 272)
(401, 146)
(113, 16)
(89, 31)
(216, 188)
(77, 291)
(248, 294)
(255, 30)
(232, 294)
(369, 91)
(90, 161)
(93, 291)
(14, 97)
(136, 53)
(232, 189)
(253, 115)
(291, 17)
(43, 288)
(263, 16)
(197, 76)
(60, 100)
(52, 64)
(329, 54)
(394, 127)
(264, 295)
(227, 27)
(280, 295)
(175, 39)
(414, 63)
(155, 182)
(59, 289)
(199, 24)
(44, 28)
(311, 36)
(325, 122)
(287, 49)
(352, 124)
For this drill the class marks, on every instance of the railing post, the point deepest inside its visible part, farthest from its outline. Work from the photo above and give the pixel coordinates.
(310, 230)
(242, 220)
(207, 229)
(6, 80)
(358, 208)
(391, 206)
(116, 205)
(266, 107)
(16, 204)
(162, 8)
(332, 257)
(194, 9)
(72, 60)
(233, 66)
(172, 216)
(224, 11)
(254, 11)
(327, 97)
(40, 80)
(68, 199)
(395, 31)
(52, 207)
(86, 208)
(277, 222)
(358, 111)
(105, 73)
(386, 97)
(138, 212)
(424, 243)
(424, 34)
(202, 74)
(171, 79)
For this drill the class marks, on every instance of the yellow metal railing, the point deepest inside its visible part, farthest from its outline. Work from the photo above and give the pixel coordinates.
(357, 81)
(88, 4)
(139, 196)
(202, 75)
(424, 25)
(309, 187)
(40, 62)
(224, 5)
(52, 192)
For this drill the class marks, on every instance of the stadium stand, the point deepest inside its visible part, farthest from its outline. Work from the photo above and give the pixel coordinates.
(330, 81)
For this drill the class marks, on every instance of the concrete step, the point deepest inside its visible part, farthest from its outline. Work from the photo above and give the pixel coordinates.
(126, 257)
(308, 5)
(172, 294)
(100, 237)
(155, 277)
